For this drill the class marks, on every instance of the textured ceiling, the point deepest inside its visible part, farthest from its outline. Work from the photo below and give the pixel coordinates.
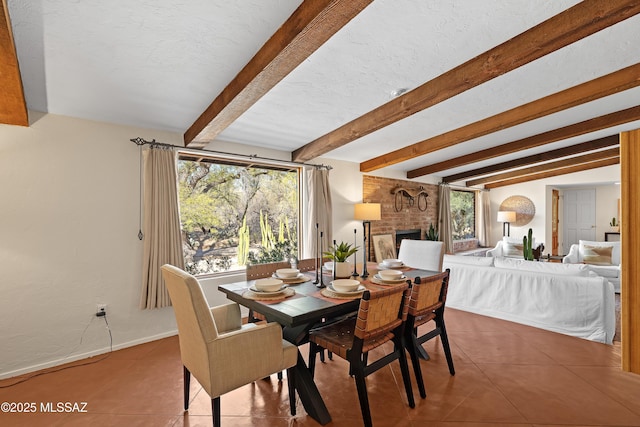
(158, 64)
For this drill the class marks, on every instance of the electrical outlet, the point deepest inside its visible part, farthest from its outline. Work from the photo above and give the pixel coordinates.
(101, 308)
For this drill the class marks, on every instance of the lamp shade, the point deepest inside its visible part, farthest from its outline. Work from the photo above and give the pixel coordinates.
(506, 216)
(366, 211)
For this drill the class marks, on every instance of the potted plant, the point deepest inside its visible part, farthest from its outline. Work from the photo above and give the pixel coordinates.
(615, 225)
(432, 234)
(339, 253)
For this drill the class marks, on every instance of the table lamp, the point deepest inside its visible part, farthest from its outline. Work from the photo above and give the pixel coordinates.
(506, 218)
(366, 212)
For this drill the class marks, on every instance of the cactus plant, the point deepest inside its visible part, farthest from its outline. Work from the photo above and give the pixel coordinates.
(243, 243)
(527, 249)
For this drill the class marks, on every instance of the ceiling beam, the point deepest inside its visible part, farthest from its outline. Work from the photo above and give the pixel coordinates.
(312, 24)
(572, 161)
(556, 172)
(609, 84)
(575, 23)
(577, 129)
(572, 150)
(13, 107)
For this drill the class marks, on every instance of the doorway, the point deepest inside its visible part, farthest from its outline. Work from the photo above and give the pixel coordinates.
(579, 209)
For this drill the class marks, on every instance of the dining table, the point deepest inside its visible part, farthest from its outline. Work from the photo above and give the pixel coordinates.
(307, 302)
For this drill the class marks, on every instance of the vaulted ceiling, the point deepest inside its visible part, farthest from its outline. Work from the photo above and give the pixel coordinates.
(488, 93)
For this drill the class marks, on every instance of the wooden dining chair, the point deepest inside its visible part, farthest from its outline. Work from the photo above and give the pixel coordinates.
(380, 319)
(426, 304)
(215, 345)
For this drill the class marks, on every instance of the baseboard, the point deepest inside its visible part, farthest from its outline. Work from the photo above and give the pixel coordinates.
(76, 357)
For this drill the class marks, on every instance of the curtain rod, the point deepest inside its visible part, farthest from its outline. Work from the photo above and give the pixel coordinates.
(140, 141)
(460, 187)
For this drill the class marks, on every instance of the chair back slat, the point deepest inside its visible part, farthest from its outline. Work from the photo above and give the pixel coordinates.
(259, 271)
(428, 294)
(381, 311)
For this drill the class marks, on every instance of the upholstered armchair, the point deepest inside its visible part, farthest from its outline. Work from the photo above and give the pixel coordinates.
(218, 349)
(510, 247)
(602, 257)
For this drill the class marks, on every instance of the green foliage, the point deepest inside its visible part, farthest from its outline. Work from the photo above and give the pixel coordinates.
(281, 251)
(462, 205)
(614, 222)
(527, 249)
(268, 239)
(224, 209)
(341, 252)
(432, 234)
(243, 243)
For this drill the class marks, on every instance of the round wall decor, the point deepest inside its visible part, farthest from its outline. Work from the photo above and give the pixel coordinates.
(522, 206)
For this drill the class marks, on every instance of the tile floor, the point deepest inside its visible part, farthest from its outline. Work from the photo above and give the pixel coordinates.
(506, 375)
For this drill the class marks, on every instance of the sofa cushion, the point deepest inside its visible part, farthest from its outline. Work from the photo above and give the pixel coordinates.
(468, 260)
(596, 254)
(512, 249)
(582, 270)
(615, 251)
(608, 271)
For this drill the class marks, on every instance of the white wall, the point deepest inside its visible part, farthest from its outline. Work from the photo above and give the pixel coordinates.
(540, 194)
(69, 221)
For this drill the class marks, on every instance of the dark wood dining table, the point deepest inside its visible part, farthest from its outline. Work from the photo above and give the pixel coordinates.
(299, 313)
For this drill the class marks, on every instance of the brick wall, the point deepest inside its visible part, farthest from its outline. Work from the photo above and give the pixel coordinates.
(378, 190)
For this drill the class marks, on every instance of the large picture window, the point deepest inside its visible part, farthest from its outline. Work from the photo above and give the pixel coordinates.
(233, 213)
(463, 214)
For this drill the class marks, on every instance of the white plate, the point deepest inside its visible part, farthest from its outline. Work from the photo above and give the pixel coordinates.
(360, 289)
(401, 279)
(279, 291)
(300, 276)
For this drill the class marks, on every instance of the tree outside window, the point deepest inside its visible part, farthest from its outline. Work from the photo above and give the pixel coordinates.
(232, 214)
(463, 215)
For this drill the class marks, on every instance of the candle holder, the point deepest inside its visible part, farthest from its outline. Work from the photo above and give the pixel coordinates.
(355, 257)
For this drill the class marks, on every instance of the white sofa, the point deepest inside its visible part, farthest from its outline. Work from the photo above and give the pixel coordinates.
(605, 264)
(569, 299)
(510, 247)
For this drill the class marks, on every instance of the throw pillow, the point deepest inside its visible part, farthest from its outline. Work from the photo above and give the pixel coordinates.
(596, 255)
(512, 249)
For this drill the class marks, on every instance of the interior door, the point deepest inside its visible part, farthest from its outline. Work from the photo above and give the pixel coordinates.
(555, 197)
(579, 216)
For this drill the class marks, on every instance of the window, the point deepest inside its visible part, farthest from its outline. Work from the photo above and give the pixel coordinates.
(463, 214)
(233, 213)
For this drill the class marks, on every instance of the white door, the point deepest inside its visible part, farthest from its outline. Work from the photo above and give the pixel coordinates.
(579, 216)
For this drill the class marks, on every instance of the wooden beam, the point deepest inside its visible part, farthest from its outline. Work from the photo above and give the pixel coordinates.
(312, 24)
(555, 172)
(572, 150)
(573, 24)
(572, 161)
(609, 84)
(587, 126)
(630, 263)
(13, 107)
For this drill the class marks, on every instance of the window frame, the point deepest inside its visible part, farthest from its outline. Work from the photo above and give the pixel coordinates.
(475, 214)
(249, 162)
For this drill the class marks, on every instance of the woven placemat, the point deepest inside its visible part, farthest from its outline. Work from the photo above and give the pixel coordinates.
(249, 294)
(331, 294)
(297, 280)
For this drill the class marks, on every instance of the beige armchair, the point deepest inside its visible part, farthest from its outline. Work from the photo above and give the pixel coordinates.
(217, 349)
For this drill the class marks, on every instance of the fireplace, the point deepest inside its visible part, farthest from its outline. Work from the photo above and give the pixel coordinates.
(415, 234)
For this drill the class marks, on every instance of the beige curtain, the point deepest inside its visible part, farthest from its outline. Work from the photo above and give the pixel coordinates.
(318, 210)
(483, 210)
(444, 217)
(162, 238)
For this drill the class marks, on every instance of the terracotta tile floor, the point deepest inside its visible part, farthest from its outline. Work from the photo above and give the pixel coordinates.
(506, 375)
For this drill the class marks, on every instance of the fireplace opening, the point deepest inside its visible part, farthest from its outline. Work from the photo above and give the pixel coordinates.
(415, 234)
